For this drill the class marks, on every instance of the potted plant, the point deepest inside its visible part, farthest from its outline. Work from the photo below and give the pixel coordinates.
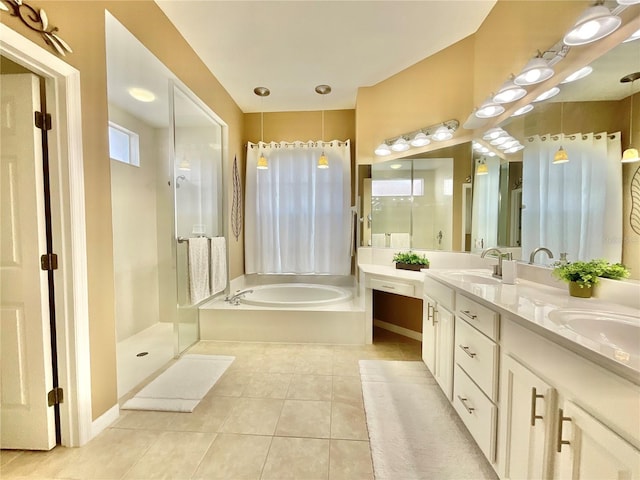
(582, 276)
(410, 261)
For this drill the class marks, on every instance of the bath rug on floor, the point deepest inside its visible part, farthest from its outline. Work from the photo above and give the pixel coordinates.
(181, 387)
(414, 431)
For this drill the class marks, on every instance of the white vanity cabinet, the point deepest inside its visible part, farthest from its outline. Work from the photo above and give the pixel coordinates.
(437, 333)
(475, 389)
(527, 408)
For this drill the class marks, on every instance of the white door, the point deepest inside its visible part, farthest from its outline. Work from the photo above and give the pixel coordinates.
(26, 371)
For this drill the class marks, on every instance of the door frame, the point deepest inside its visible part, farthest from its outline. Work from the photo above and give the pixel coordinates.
(69, 235)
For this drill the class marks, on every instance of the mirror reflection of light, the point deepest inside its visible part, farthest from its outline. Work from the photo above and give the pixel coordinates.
(552, 92)
(142, 94)
(522, 110)
(577, 75)
(634, 36)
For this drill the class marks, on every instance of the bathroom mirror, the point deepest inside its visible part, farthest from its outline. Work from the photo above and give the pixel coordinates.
(598, 103)
(417, 201)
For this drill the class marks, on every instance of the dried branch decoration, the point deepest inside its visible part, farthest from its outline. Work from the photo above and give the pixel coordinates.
(37, 21)
(236, 204)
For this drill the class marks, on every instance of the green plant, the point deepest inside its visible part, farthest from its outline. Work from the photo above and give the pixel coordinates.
(586, 274)
(410, 258)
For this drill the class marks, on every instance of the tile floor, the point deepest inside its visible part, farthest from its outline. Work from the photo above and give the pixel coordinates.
(281, 411)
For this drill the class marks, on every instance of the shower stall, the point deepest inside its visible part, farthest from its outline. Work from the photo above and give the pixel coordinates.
(166, 185)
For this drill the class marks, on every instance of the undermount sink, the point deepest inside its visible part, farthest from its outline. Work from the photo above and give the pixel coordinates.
(474, 277)
(616, 330)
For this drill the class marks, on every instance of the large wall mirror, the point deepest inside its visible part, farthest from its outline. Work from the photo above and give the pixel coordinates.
(416, 202)
(583, 207)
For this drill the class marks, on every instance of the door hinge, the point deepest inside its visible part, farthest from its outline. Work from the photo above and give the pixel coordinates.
(43, 120)
(49, 261)
(55, 396)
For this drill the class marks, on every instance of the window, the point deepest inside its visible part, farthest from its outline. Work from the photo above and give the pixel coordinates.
(397, 187)
(123, 145)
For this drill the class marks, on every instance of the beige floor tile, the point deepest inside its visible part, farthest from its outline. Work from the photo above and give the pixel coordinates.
(350, 460)
(347, 390)
(227, 348)
(279, 363)
(346, 366)
(305, 418)
(238, 457)
(297, 458)
(145, 420)
(247, 363)
(348, 422)
(7, 456)
(253, 416)
(291, 349)
(173, 455)
(208, 416)
(315, 365)
(110, 455)
(30, 464)
(310, 387)
(231, 384)
(268, 385)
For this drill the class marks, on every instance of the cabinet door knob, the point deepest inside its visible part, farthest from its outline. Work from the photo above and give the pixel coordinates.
(467, 350)
(535, 396)
(561, 420)
(463, 400)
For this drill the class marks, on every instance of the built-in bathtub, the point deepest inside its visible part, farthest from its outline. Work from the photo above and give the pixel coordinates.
(290, 311)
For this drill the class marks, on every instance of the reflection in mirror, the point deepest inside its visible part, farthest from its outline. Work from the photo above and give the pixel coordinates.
(577, 207)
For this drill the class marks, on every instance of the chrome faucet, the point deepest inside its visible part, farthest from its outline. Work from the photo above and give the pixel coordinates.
(497, 269)
(235, 298)
(539, 249)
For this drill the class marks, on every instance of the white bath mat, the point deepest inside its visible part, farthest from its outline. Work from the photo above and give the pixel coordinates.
(413, 430)
(181, 387)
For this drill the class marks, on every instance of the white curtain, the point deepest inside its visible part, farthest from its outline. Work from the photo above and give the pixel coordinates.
(573, 207)
(298, 217)
(486, 189)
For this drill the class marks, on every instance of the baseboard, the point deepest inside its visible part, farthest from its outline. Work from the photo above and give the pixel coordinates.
(399, 330)
(103, 421)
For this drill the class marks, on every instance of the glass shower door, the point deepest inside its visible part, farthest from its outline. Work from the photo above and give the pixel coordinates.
(198, 201)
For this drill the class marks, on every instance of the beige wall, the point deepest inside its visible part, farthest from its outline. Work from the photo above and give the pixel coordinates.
(81, 24)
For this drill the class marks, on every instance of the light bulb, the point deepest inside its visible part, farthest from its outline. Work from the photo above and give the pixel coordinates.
(382, 150)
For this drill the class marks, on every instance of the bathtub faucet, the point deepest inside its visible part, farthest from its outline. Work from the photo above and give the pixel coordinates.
(235, 298)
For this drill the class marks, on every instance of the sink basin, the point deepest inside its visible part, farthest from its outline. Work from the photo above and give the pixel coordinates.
(473, 277)
(616, 330)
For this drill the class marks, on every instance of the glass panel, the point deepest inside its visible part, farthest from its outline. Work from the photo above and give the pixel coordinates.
(198, 197)
(391, 204)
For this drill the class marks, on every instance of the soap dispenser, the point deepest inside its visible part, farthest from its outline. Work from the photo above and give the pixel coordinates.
(509, 271)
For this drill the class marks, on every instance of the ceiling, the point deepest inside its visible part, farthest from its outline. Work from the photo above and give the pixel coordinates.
(292, 46)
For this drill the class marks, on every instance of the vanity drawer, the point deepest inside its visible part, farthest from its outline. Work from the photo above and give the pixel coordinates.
(478, 356)
(392, 286)
(476, 411)
(442, 294)
(481, 317)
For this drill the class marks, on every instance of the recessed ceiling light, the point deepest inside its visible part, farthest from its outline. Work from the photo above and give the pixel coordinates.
(141, 94)
(395, 166)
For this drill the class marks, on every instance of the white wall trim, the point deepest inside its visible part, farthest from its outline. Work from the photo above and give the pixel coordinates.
(105, 420)
(68, 209)
(399, 330)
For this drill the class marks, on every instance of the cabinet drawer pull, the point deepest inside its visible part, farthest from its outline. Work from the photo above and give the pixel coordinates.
(467, 351)
(389, 287)
(463, 401)
(534, 397)
(561, 419)
(467, 313)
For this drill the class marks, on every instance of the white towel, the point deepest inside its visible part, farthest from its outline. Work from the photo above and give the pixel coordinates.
(218, 265)
(400, 240)
(198, 269)
(378, 240)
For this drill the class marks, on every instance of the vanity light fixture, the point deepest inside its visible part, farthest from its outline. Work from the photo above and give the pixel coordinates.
(323, 161)
(537, 70)
(262, 92)
(577, 75)
(628, 2)
(552, 92)
(493, 133)
(515, 148)
(482, 168)
(382, 150)
(593, 24)
(630, 154)
(500, 140)
(509, 92)
(417, 138)
(522, 110)
(561, 156)
(489, 109)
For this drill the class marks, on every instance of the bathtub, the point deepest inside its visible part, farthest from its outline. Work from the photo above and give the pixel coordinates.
(286, 309)
(294, 295)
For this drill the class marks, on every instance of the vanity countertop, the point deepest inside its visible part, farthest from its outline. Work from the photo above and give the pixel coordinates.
(392, 272)
(529, 304)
